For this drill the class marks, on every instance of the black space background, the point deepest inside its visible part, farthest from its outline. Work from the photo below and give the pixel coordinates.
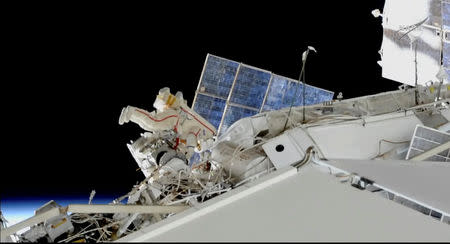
(73, 69)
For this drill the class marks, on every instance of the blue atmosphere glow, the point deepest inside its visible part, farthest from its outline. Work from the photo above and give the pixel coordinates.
(18, 209)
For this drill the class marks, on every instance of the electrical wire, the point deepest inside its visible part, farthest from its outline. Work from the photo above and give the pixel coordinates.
(252, 167)
(306, 159)
(238, 153)
(295, 93)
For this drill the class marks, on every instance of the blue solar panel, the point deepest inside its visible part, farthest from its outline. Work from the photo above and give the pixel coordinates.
(323, 96)
(195, 158)
(233, 114)
(210, 108)
(250, 87)
(281, 93)
(446, 55)
(311, 95)
(446, 24)
(218, 76)
(446, 15)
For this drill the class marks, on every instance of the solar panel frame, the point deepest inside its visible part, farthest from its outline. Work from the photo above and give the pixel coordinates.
(202, 81)
(219, 131)
(267, 93)
(250, 86)
(289, 92)
(216, 107)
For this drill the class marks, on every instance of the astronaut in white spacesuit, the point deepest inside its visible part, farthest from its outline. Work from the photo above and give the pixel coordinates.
(172, 113)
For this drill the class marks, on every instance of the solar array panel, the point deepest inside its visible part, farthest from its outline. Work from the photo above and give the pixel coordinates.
(229, 91)
(250, 87)
(218, 76)
(446, 14)
(446, 27)
(210, 108)
(426, 138)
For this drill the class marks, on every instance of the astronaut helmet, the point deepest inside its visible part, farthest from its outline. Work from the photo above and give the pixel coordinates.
(166, 100)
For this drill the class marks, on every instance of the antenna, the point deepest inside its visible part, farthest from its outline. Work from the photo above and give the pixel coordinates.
(302, 73)
(416, 92)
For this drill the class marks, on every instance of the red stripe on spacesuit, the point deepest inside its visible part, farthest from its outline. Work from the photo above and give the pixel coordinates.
(156, 120)
(212, 131)
(195, 134)
(177, 142)
(175, 128)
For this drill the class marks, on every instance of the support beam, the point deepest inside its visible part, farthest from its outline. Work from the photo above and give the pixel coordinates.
(431, 152)
(91, 208)
(30, 222)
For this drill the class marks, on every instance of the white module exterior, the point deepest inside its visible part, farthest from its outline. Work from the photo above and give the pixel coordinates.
(360, 139)
(400, 37)
(304, 206)
(401, 177)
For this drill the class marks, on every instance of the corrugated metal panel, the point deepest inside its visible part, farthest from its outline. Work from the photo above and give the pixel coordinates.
(426, 138)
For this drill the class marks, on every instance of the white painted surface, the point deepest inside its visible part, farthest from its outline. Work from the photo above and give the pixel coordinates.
(446, 112)
(308, 206)
(398, 59)
(355, 141)
(209, 206)
(289, 154)
(426, 182)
